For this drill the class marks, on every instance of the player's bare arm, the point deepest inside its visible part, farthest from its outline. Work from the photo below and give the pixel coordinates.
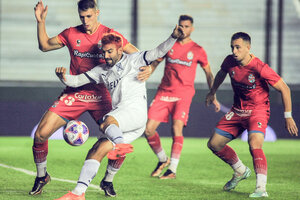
(45, 43)
(146, 71)
(210, 80)
(211, 96)
(290, 124)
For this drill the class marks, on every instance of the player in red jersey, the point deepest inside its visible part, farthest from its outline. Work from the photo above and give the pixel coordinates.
(174, 97)
(83, 42)
(250, 78)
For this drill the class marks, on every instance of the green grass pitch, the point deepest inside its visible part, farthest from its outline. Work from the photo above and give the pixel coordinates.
(200, 174)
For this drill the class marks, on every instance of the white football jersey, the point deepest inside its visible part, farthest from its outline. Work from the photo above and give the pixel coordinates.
(120, 80)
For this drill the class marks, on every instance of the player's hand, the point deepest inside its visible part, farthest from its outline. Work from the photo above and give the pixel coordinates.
(40, 12)
(217, 105)
(60, 73)
(145, 73)
(291, 126)
(210, 98)
(177, 32)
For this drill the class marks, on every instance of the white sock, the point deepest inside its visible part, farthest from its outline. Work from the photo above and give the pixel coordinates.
(41, 169)
(239, 167)
(114, 133)
(110, 173)
(261, 182)
(162, 156)
(88, 172)
(174, 164)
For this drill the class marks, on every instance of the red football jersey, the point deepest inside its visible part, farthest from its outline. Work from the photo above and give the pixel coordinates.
(85, 50)
(180, 69)
(250, 82)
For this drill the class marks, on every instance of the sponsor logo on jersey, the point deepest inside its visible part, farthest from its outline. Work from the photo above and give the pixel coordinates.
(180, 62)
(251, 78)
(190, 55)
(87, 55)
(241, 85)
(87, 98)
(111, 85)
(78, 43)
(169, 99)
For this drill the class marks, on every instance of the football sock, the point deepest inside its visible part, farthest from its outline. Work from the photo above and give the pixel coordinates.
(260, 167)
(41, 168)
(113, 166)
(154, 143)
(228, 155)
(176, 152)
(88, 172)
(40, 152)
(114, 133)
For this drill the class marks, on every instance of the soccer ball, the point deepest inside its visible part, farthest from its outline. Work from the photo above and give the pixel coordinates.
(76, 133)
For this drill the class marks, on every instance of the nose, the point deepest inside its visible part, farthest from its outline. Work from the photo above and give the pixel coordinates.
(106, 55)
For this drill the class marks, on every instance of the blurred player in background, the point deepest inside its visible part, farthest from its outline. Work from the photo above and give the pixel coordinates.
(174, 97)
(250, 78)
(84, 44)
(127, 119)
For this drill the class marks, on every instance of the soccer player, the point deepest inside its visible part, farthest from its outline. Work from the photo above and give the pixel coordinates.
(250, 78)
(174, 96)
(83, 42)
(127, 119)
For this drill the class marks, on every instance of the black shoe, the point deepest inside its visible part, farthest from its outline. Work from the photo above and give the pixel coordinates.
(39, 183)
(168, 175)
(108, 188)
(159, 168)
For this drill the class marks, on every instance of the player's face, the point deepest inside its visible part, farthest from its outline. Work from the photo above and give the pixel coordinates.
(89, 19)
(240, 49)
(111, 54)
(187, 27)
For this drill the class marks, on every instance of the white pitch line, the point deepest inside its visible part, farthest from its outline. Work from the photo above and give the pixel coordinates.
(31, 173)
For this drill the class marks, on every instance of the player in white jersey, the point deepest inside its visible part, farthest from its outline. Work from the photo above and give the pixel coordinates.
(127, 119)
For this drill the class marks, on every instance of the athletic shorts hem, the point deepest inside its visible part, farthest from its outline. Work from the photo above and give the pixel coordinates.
(224, 133)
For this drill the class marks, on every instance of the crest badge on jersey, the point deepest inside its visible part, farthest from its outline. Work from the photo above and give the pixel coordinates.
(119, 67)
(232, 74)
(190, 55)
(171, 52)
(251, 78)
(99, 44)
(78, 43)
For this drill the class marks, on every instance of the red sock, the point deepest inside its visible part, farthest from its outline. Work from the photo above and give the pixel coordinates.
(228, 155)
(177, 147)
(154, 142)
(40, 151)
(259, 161)
(117, 163)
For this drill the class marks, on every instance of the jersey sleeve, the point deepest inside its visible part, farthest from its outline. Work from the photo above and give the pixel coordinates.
(269, 75)
(202, 60)
(226, 64)
(95, 75)
(63, 36)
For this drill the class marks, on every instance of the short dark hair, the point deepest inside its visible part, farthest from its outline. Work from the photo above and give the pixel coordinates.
(87, 4)
(111, 38)
(241, 35)
(185, 17)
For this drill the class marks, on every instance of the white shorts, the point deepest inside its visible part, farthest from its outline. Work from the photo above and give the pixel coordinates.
(132, 118)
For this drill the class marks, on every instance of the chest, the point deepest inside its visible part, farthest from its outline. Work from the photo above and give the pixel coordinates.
(245, 76)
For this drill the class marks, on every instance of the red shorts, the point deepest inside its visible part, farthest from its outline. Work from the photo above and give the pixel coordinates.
(70, 106)
(236, 121)
(163, 106)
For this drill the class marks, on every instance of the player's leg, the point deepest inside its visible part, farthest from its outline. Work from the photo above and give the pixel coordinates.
(90, 168)
(218, 145)
(257, 127)
(177, 145)
(157, 113)
(50, 122)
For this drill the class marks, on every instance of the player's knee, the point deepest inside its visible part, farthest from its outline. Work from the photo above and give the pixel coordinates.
(41, 135)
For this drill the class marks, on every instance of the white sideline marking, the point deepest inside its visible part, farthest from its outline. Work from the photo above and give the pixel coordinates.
(31, 173)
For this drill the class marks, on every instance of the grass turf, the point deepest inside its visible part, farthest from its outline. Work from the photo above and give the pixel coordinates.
(200, 174)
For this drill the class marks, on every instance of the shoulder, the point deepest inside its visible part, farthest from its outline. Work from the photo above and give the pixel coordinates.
(258, 64)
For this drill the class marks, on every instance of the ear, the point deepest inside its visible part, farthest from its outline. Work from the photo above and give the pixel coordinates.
(120, 50)
(97, 12)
